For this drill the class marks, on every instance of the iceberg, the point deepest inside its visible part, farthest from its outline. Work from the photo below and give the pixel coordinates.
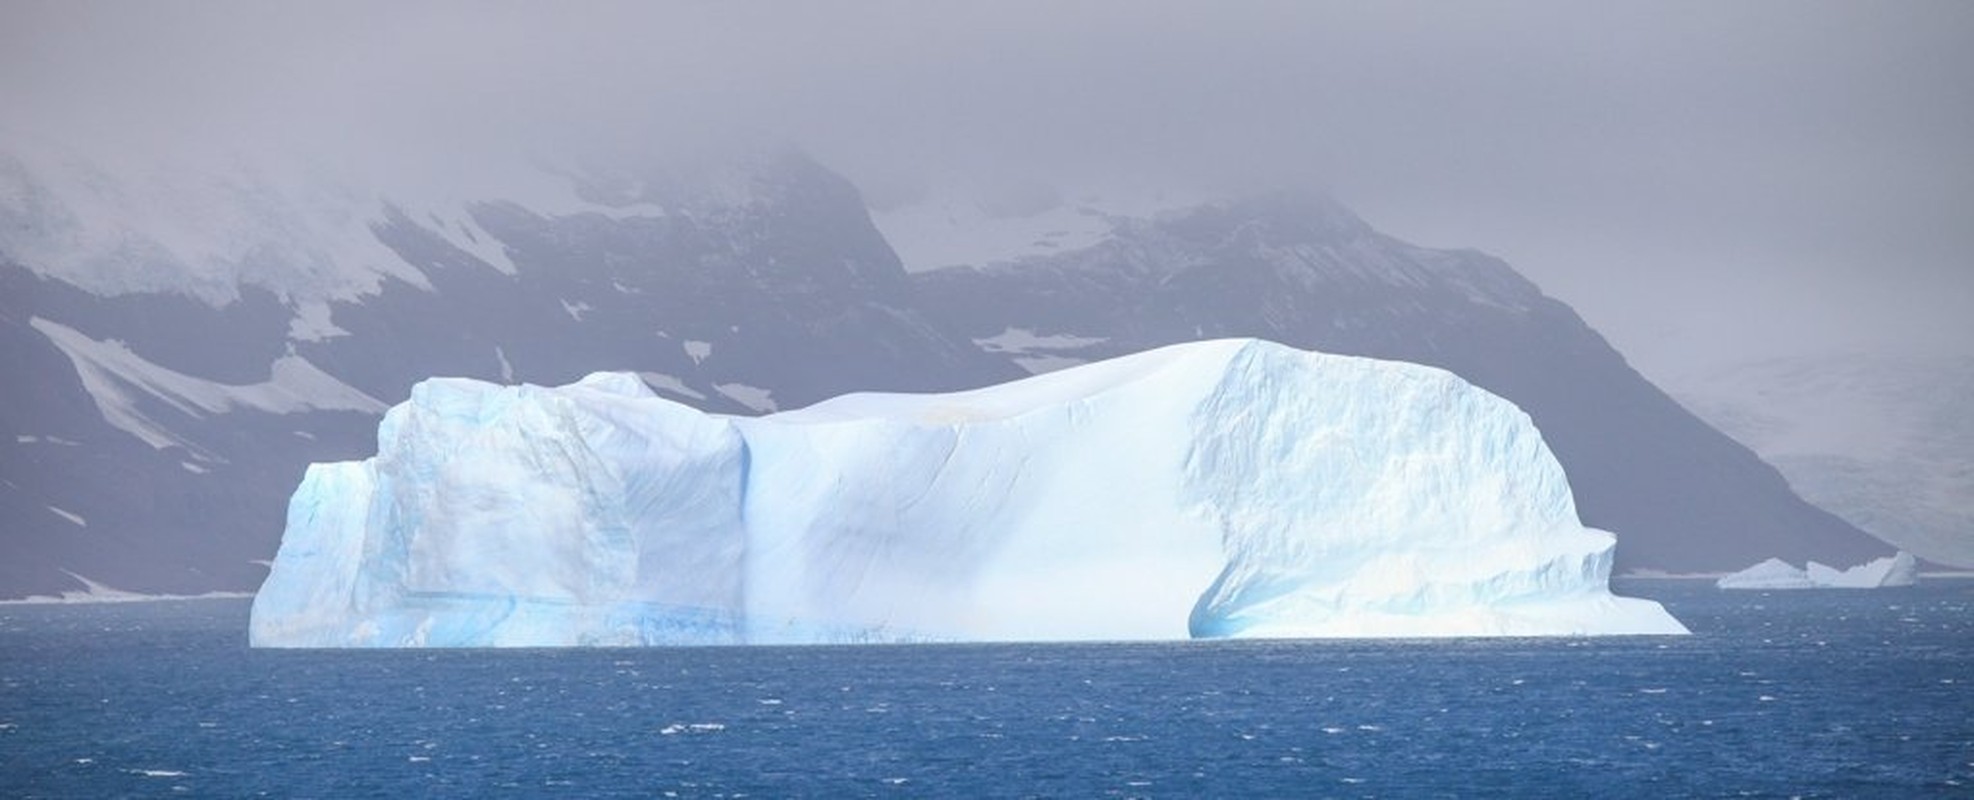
(1230, 488)
(1771, 574)
(1894, 570)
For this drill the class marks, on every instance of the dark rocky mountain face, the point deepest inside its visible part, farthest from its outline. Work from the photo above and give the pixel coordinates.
(792, 291)
(145, 445)
(783, 295)
(79, 496)
(1300, 270)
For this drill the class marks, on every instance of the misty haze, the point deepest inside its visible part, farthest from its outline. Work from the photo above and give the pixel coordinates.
(1191, 399)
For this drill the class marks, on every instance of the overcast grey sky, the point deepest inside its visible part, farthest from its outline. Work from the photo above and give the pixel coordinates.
(1704, 181)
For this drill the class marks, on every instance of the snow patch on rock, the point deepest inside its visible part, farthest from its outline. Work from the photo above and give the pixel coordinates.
(120, 381)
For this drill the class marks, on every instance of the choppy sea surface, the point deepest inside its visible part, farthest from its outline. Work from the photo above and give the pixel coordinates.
(1809, 693)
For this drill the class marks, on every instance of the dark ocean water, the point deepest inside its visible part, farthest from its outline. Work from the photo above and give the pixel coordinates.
(1823, 693)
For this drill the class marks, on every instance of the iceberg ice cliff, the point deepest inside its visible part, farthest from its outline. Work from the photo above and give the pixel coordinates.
(1215, 489)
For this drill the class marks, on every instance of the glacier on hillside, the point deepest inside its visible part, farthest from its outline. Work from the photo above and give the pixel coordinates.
(1215, 489)
(1891, 571)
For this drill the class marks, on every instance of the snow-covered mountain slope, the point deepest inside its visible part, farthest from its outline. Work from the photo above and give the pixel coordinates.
(173, 417)
(1230, 488)
(200, 227)
(1886, 443)
(1301, 269)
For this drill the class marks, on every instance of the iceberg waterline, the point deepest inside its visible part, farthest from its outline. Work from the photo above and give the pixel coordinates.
(1223, 488)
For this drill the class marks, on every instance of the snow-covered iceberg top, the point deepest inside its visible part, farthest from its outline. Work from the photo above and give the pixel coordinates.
(1895, 570)
(1224, 488)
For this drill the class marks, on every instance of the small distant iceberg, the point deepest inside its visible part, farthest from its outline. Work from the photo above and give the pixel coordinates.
(95, 592)
(1771, 574)
(1897, 570)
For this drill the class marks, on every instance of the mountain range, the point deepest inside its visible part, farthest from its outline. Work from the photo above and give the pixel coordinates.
(174, 359)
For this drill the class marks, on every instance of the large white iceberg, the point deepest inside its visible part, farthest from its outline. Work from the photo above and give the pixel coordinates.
(1224, 488)
(1891, 571)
